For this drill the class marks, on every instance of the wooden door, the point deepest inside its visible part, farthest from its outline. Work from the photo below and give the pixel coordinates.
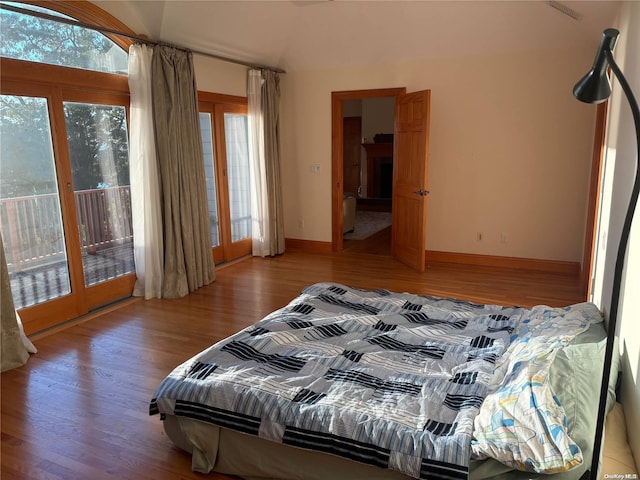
(411, 151)
(352, 153)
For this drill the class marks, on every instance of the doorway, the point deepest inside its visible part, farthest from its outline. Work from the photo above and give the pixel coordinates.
(367, 178)
(368, 126)
(410, 156)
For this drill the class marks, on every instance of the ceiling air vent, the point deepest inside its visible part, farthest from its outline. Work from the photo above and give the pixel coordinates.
(562, 8)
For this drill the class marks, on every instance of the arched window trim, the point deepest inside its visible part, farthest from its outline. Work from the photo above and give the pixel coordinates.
(88, 12)
(14, 70)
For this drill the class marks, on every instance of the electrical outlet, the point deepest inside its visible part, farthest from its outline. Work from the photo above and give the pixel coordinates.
(503, 237)
(479, 236)
(315, 168)
(300, 224)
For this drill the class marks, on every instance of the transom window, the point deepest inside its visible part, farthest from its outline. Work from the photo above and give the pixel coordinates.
(26, 37)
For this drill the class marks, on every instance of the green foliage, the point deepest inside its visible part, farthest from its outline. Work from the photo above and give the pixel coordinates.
(97, 134)
(98, 147)
(38, 40)
(26, 157)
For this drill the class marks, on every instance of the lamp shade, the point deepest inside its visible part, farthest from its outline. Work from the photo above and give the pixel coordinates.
(595, 87)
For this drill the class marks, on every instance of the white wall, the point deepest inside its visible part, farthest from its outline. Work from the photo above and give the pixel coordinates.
(211, 75)
(510, 150)
(620, 167)
(220, 77)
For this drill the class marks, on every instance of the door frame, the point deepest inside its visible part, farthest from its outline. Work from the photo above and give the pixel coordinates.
(337, 161)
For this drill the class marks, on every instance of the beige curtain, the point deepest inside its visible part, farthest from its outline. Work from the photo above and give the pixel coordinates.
(188, 263)
(263, 92)
(14, 354)
(146, 207)
(271, 118)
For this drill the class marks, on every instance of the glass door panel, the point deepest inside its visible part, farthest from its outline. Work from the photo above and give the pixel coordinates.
(223, 128)
(32, 230)
(206, 131)
(99, 155)
(237, 150)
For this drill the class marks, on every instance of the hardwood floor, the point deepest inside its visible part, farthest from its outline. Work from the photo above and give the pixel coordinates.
(78, 409)
(377, 244)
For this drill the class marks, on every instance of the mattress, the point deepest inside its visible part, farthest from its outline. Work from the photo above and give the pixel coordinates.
(402, 358)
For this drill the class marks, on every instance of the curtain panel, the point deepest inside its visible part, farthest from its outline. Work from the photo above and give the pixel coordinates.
(188, 263)
(14, 353)
(146, 212)
(172, 244)
(263, 92)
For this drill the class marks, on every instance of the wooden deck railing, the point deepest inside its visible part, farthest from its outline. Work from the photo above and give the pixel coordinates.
(32, 235)
(104, 216)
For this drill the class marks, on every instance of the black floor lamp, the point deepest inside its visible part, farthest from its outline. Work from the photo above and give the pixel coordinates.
(594, 87)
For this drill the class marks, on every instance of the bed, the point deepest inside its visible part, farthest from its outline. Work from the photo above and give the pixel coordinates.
(351, 383)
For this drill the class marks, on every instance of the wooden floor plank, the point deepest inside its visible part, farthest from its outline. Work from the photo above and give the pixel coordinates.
(78, 409)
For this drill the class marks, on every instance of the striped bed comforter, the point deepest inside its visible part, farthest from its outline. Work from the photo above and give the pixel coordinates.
(388, 379)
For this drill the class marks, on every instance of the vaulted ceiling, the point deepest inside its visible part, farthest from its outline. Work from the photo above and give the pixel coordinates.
(297, 35)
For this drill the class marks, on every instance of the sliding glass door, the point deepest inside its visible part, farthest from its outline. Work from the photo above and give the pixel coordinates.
(226, 156)
(65, 209)
(97, 140)
(64, 181)
(99, 155)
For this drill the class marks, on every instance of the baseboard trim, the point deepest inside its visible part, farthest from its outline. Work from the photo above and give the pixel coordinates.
(532, 264)
(40, 333)
(310, 246)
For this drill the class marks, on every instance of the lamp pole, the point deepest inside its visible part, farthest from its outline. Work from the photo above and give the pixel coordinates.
(591, 90)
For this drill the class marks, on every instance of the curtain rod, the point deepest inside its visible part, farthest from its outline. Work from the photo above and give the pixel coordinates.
(77, 23)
